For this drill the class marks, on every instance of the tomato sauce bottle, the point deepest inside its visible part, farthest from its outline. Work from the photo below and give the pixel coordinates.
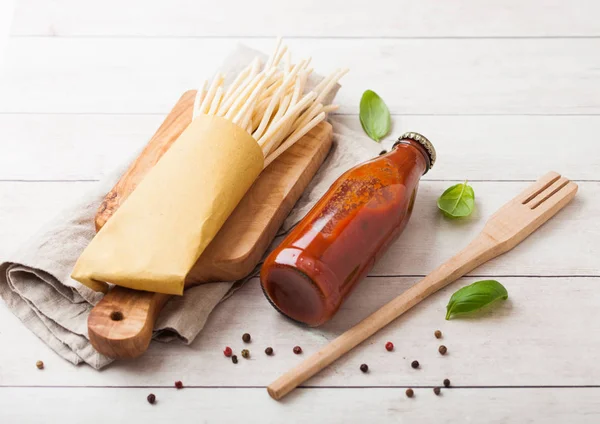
(308, 276)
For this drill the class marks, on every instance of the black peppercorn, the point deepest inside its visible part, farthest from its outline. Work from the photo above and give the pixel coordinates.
(410, 393)
(438, 334)
(245, 353)
(151, 398)
(246, 338)
(446, 383)
(437, 391)
(415, 364)
(297, 350)
(269, 351)
(443, 349)
(383, 152)
(234, 359)
(364, 368)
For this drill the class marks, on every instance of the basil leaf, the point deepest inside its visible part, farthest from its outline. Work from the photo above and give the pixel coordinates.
(457, 201)
(475, 296)
(374, 116)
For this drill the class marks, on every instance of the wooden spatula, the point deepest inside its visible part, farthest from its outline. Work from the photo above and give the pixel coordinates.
(504, 230)
(121, 324)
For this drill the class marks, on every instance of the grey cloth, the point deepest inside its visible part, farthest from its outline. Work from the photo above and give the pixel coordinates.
(35, 281)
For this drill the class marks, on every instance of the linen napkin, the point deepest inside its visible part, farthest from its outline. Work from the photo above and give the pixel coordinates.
(35, 281)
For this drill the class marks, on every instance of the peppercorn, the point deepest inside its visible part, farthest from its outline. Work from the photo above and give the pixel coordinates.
(383, 152)
(410, 393)
(364, 368)
(389, 346)
(227, 352)
(234, 359)
(443, 349)
(437, 391)
(245, 353)
(40, 365)
(179, 384)
(246, 338)
(269, 351)
(414, 364)
(297, 350)
(151, 398)
(446, 383)
(438, 334)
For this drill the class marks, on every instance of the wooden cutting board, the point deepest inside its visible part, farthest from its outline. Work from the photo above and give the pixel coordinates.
(121, 324)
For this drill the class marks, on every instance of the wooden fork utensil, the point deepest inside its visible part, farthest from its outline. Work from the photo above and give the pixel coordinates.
(510, 225)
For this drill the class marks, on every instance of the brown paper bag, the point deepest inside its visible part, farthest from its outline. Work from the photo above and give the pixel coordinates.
(158, 233)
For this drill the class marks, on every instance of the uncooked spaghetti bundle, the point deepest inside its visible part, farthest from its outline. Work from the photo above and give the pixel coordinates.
(159, 232)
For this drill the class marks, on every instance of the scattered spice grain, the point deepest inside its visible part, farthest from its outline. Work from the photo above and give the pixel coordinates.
(442, 349)
(246, 338)
(227, 352)
(437, 391)
(245, 353)
(269, 351)
(414, 364)
(438, 334)
(389, 346)
(410, 393)
(364, 368)
(297, 350)
(151, 398)
(234, 359)
(446, 383)
(383, 152)
(39, 365)
(179, 385)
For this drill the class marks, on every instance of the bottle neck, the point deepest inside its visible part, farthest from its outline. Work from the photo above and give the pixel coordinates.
(421, 157)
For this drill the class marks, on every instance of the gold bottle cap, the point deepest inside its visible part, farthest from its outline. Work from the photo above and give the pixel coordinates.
(423, 141)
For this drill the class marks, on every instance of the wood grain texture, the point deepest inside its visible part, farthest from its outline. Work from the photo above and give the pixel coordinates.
(191, 405)
(335, 18)
(121, 324)
(456, 77)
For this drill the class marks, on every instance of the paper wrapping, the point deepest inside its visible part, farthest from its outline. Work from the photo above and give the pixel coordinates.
(158, 233)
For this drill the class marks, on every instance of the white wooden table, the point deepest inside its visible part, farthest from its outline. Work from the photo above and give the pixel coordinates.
(506, 90)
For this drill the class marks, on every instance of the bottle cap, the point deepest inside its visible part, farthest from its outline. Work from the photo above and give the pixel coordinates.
(423, 141)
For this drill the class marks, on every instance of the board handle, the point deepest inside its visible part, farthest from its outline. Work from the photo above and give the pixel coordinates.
(121, 324)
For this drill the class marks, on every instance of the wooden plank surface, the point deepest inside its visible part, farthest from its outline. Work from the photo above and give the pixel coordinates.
(82, 147)
(311, 18)
(506, 90)
(414, 76)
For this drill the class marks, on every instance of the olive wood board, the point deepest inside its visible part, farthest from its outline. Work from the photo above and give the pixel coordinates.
(121, 324)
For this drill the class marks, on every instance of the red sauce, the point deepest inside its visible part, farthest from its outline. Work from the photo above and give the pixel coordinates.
(313, 270)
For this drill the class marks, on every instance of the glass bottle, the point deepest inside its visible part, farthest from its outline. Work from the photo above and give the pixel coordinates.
(308, 276)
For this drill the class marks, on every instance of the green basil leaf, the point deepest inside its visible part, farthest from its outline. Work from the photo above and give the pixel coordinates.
(374, 116)
(457, 201)
(475, 296)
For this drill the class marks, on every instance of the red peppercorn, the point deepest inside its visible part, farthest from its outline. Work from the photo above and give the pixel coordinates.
(389, 346)
(297, 350)
(227, 352)
(179, 384)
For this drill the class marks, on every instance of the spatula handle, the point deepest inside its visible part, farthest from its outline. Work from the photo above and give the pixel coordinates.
(121, 324)
(479, 251)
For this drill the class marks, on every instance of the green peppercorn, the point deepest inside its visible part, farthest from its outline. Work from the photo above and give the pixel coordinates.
(151, 398)
(245, 353)
(442, 349)
(438, 334)
(40, 365)
(446, 383)
(246, 338)
(410, 393)
(269, 351)
(437, 391)
(414, 364)
(234, 359)
(364, 368)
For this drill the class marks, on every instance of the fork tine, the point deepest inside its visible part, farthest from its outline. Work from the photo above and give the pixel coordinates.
(544, 195)
(557, 200)
(536, 188)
